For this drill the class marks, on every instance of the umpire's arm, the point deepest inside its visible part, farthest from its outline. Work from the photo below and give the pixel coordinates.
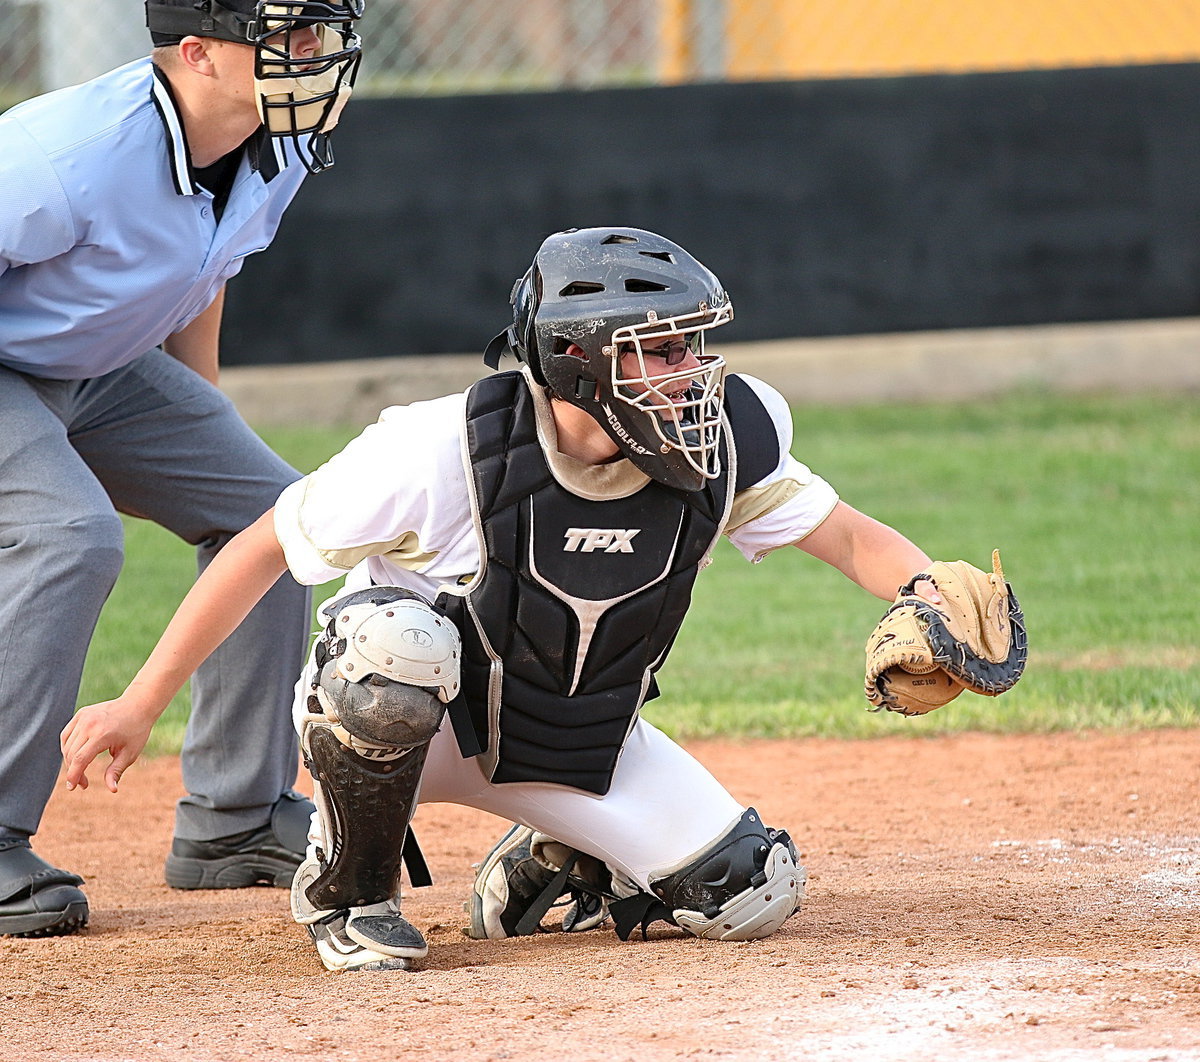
(197, 343)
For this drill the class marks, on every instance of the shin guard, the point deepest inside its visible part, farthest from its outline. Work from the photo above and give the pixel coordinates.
(365, 806)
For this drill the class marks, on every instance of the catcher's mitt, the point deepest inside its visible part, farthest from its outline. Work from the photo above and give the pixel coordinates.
(921, 655)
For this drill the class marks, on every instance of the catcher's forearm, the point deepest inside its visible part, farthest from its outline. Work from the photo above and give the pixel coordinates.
(236, 580)
(875, 556)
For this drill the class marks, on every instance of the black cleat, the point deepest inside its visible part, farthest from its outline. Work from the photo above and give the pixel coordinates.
(386, 931)
(36, 899)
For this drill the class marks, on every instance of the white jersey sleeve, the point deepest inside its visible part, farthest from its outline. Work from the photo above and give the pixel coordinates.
(395, 500)
(785, 505)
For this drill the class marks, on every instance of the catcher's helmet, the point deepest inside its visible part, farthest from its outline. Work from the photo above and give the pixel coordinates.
(581, 314)
(296, 96)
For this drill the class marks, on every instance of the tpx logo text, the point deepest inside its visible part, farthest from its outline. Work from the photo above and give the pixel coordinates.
(609, 539)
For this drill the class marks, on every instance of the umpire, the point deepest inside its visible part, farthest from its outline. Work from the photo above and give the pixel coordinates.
(126, 203)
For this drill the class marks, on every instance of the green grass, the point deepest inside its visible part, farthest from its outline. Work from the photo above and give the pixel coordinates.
(1094, 503)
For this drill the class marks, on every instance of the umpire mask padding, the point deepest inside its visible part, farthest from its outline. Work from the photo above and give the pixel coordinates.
(304, 96)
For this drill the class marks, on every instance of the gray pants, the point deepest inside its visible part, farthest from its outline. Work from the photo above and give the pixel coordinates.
(153, 440)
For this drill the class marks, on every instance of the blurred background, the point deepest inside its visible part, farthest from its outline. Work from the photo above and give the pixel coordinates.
(420, 47)
(847, 168)
(909, 200)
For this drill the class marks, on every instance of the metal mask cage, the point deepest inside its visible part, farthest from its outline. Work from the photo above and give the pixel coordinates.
(687, 419)
(303, 95)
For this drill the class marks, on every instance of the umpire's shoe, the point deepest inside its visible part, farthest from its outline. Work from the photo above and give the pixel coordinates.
(36, 899)
(268, 855)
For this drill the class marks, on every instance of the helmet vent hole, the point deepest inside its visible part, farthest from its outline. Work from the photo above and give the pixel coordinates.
(662, 256)
(618, 237)
(636, 284)
(581, 287)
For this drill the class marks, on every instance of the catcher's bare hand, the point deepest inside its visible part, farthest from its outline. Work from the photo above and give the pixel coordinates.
(118, 727)
(927, 589)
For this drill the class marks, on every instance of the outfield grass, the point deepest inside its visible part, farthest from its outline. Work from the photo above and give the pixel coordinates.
(1094, 503)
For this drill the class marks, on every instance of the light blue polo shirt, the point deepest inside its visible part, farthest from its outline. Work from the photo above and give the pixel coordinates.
(107, 245)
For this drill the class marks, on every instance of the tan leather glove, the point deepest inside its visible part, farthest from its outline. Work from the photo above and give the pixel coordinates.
(921, 656)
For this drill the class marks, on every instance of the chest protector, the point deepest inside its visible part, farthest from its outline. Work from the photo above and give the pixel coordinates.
(578, 601)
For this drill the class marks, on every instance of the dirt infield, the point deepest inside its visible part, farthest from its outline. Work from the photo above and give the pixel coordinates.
(970, 898)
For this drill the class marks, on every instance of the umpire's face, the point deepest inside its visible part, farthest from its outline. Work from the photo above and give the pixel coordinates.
(235, 62)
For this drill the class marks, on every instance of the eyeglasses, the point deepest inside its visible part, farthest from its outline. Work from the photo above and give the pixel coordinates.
(672, 352)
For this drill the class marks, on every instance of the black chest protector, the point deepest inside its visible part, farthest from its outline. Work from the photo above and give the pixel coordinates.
(578, 601)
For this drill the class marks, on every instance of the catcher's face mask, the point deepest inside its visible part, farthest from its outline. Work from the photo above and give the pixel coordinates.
(664, 373)
(613, 321)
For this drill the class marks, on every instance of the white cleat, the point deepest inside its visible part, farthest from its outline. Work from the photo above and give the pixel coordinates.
(339, 953)
(359, 938)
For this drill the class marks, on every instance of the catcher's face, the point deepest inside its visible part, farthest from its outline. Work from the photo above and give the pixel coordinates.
(670, 379)
(665, 367)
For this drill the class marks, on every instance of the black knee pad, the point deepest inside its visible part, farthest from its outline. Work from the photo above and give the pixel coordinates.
(379, 711)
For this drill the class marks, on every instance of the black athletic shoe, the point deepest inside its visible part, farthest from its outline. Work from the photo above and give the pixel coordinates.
(36, 899)
(268, 855)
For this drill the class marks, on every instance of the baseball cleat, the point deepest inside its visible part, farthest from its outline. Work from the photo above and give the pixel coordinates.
(339, 953)
(361, 938)
(383, 929)
(513, 890)
(37, 899)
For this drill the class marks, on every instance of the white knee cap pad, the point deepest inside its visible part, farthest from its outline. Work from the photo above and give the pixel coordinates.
(384, 667)
(404, 639)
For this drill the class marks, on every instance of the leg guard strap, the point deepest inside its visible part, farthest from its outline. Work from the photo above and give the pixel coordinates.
(532, 918)
(414, 862)
(639, 911)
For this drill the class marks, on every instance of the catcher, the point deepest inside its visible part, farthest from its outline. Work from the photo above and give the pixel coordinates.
(520, 559)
